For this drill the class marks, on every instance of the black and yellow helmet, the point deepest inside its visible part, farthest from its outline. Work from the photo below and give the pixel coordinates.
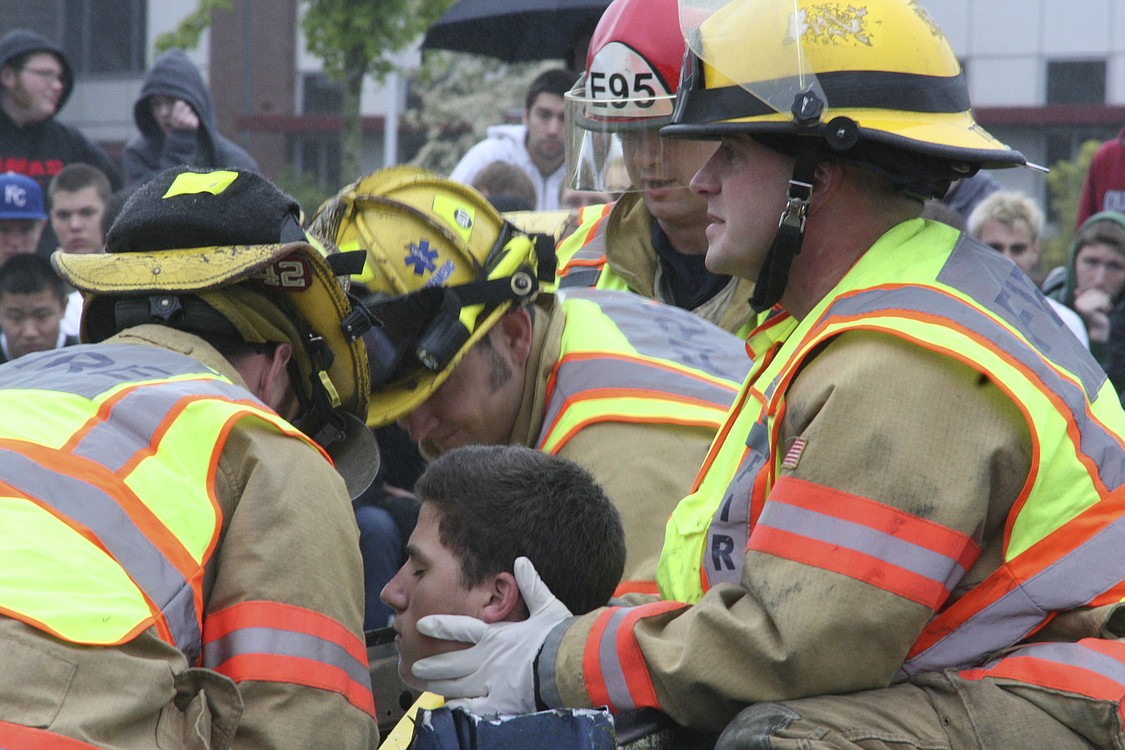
(222, 253)
(874, 84)
(853, 74)
(442, 267)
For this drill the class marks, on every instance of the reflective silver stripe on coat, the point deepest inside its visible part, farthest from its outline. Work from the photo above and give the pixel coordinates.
(613, 675)
(841, 534)
(573, 379)
(133, 421)
(89, 506)
(1004, 290)
(1074, 579)
(1095, 441)
(1070, 655)
(669, 333)
(586, 275)
(280, 642)
(1084, 572)
(89, 371)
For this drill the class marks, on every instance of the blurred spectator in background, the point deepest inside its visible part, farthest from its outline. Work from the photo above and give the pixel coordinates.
(964, 194)
(78, 195)
(32, 301)
(1104, 186)
(177, 123)
(78, 198)
(571, 198)
(507, 187)
(35, 83)
(536, 146)
(22, 217)
(1010, 223)
(1093, 280)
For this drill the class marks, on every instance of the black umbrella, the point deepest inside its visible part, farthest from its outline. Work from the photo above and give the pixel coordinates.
(518, 30)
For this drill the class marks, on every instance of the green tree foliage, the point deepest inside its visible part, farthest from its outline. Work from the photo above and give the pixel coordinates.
(353, 39)
(187, 34)
(303, 187)
(1064, 187)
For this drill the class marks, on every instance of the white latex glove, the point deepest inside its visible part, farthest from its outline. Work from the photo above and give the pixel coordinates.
(497, 674)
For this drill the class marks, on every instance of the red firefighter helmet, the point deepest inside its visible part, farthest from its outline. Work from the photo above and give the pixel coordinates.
(629, 86)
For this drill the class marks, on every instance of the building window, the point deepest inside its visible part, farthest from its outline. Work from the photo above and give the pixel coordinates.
(97, 36)
(321, 96)
(1076, 82)
(318, 154)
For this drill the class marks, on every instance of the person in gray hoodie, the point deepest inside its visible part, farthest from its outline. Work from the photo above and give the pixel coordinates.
(176, 119)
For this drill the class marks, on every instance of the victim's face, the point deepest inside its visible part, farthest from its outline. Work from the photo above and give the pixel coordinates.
(429, 583)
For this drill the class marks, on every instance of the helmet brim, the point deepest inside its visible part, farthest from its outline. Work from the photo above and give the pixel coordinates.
(953, 136)
(315, 293)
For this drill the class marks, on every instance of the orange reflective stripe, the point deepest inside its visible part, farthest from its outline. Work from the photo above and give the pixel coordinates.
(613, 412)
(1003, 593)
(603, 212)
(890, 549)
(296, 670)
(592, 663)
(19, 737)
(636, 587)
(613, 663)
(1091, 667)
(274, 642)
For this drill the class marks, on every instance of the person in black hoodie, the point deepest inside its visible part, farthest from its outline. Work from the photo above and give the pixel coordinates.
(35, 83)
(177, 122)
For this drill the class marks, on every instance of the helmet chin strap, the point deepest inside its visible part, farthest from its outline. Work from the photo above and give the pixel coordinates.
(774, 274)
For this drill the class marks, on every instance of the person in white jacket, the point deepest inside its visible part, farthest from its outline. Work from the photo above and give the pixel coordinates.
(537, 146)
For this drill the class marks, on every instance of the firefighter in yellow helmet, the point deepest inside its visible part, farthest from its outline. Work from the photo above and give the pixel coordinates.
(180, 560)
(907, 534)
(469, 351)
(651, 240)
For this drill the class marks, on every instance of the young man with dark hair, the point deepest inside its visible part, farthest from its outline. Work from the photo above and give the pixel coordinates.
(78, 196)
(536, 146)
(482, 509)
(32, 302)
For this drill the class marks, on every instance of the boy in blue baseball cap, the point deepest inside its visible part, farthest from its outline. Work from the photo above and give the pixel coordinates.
(22, 217)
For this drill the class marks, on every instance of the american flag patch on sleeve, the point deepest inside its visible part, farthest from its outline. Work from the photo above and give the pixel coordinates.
(794, 454)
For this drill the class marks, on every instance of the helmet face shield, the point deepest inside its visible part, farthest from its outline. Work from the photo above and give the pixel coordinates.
(759, 45)
(614, 145)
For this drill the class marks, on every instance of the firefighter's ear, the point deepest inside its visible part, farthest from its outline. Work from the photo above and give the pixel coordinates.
(513, 334)
(267, 377)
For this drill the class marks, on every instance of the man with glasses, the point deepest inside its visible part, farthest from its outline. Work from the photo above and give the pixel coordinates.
(35, 82)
